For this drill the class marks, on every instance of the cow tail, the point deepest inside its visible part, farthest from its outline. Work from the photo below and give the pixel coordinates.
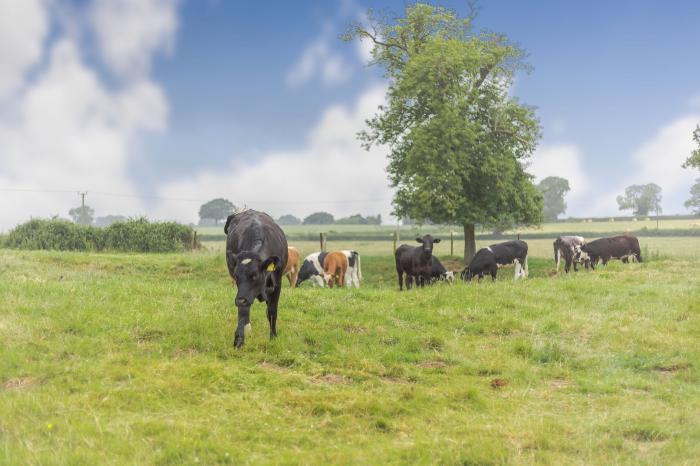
(557, 255)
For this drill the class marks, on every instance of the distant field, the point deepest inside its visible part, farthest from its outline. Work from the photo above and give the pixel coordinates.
(127, 359)
(583, 227)
(684, 247)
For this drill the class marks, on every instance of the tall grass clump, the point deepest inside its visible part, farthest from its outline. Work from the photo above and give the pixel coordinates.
(134, 235)
(55, 234)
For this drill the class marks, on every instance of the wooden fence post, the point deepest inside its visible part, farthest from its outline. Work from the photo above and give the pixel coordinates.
(322, 238)
(194, 240)
(452, 243)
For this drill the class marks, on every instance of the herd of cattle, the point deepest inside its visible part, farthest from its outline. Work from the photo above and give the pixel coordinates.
(258, 257)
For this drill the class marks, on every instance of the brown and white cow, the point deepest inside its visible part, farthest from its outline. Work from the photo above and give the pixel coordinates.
(334, 267)
(568, 247)
(293, 265)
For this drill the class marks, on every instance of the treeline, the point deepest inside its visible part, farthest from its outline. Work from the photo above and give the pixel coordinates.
(133, 235)
(324, 218)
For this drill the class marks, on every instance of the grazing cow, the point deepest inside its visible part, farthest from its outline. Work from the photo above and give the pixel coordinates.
(439, 272)
(293, 265)
(568, 247)
(488, 260)
(616, 247)
(312, 269)
(415, 262)
(334, 268)
(256, 255)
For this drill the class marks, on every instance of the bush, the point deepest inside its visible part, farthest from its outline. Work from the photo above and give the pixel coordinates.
(135, 235)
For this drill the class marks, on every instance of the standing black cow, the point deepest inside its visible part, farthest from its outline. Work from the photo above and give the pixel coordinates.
(568, 247)
(488, 260)
(415, 262)
(256, 255)
(616, 247)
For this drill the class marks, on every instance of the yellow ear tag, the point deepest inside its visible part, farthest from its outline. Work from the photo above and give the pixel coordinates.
(271, 267)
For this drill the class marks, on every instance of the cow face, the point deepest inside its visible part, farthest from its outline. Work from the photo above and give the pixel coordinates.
(449, 276)
(581, 255)
(254, 278)
(427, 241)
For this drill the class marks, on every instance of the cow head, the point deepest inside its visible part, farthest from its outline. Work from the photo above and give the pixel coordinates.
(330, 279)
(581, 254)
(466, 274)
(254, 277)
(449, 276)
(427, 241)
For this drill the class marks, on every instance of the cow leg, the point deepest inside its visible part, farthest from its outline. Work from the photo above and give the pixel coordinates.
(272, 311)
(400, 274)
(494, 272)
(243, 320)
(295, 277)
(409, 281)
(567, 265)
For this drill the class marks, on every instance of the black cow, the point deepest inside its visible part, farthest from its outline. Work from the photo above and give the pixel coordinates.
(415, 262)
(439, 272)
(256, 255)
(568, 247)
(615, 247)
(488, 260)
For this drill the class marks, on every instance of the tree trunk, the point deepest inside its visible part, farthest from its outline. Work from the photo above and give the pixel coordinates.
(469, 243)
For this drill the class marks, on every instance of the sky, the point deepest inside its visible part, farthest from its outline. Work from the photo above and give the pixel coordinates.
(153, 107)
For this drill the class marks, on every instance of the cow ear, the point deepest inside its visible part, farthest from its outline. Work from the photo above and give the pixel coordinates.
(436, 240)
(271, 264)
(420, 240)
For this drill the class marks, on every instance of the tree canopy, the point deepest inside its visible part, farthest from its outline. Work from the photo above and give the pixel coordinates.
(216, 209)
(553, 189)
(694, 202)
(457, 139)
(641, 199)
(83, 215)
(694, 159)
(289, 220)
(319, 218)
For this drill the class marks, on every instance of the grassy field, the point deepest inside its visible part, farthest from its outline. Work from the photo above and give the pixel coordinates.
(673, 247)
(127, 359)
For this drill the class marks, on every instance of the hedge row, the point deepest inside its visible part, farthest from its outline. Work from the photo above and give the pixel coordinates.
(136, 235)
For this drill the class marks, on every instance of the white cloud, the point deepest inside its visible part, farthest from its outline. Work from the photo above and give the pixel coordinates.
(23, 28)
(68, 130)
(564, 161)
(318, 60)
(331, 173)
(130, 32)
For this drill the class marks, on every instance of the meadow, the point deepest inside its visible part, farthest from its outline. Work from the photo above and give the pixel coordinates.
(127, 359)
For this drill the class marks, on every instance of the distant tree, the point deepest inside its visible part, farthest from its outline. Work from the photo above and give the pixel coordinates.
(694, 159)
(553, 189)
(82, 215)
(216, 209)
(457, 139)
(107, 220)
(356, 219)
(289, 220)
(641, 199)
(694, 202)
(319, 218)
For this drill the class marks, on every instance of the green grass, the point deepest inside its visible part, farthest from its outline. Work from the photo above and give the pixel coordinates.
(127, 359)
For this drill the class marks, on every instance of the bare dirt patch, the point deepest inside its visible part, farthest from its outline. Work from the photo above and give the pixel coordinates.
(272, 366)
(433, 364)
(20, 383)
(558, 384)
(498, 383)
(331, 379)
(672, 367)
(185, 353)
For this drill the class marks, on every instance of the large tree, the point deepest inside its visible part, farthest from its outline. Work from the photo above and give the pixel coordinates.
(319, 218)
(641, 199)
(694, 159)
(216, 209)
(457, 139)
(83, 215)
(553, 189)
(694, 202)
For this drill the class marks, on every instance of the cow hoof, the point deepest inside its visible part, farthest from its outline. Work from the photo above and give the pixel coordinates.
(237, 342)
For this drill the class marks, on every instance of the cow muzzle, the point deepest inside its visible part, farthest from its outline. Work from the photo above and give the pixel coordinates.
(242, 301)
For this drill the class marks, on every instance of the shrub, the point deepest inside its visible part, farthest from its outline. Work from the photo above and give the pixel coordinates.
(134, 235)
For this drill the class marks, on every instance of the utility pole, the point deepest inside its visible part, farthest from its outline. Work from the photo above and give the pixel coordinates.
(82, 205)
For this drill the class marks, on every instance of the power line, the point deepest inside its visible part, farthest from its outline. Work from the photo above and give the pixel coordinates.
(174, 199)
